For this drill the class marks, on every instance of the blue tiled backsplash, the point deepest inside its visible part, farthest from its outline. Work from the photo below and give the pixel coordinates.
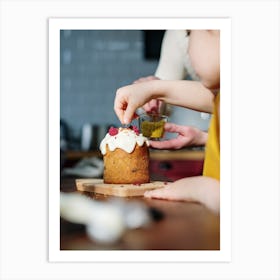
(93, 65)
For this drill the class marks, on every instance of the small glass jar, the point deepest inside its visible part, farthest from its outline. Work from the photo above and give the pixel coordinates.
(152, 125)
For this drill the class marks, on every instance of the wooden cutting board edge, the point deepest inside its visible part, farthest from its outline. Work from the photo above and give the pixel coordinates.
(122, 190)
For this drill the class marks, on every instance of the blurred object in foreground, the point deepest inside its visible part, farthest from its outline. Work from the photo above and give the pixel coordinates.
(91, 167)
(105, 221)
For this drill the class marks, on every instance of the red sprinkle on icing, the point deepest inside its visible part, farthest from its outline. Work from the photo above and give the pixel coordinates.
(113, 131)
(135, 129)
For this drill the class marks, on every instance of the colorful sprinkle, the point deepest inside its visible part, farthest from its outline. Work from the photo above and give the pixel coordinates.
(113, 131)
(135, 129)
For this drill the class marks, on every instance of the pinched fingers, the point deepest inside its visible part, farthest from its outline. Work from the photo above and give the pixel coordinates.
(120, 105)
(131, 97)
(124, 106)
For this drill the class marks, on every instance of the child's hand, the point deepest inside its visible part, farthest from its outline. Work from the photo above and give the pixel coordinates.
(131, 97)
(154, 105)
(201, 189)
(187, 136)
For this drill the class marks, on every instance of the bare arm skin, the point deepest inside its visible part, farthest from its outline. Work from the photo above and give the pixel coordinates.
(201, 189)
(187, 136)
(189, 94)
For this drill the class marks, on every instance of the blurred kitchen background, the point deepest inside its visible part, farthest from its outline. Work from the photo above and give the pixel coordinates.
(93, 65)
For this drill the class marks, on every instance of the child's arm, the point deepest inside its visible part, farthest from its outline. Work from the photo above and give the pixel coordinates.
(153, 106)
(189, 94)
(200, 189)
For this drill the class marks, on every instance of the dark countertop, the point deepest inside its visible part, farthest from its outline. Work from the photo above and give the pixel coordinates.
(184, 226)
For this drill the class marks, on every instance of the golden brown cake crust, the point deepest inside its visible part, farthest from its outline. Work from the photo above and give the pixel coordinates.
(121, 167)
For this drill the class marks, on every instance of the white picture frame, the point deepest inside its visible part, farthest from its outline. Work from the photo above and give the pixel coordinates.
(57, 24)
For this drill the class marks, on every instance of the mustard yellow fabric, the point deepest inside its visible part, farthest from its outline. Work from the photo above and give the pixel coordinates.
(211, 167)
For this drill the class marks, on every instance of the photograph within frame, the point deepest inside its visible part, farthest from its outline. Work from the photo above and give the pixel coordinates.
(55, 27)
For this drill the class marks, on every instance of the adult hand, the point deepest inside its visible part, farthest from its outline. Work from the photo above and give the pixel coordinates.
(154, 105)
(187, 136)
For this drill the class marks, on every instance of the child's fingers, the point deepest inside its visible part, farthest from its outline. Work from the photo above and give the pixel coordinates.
(163, 193)
(129, 114)
(124, 108)
(119, 108)
(169, 193)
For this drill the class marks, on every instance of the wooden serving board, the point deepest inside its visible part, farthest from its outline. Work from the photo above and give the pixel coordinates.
(123, 190)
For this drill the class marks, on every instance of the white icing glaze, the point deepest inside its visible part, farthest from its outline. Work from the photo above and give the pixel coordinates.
(126, 139)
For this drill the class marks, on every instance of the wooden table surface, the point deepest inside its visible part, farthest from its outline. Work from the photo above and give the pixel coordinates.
(183, 226)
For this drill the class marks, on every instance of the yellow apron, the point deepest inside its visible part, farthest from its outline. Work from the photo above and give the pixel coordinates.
(211, 167)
